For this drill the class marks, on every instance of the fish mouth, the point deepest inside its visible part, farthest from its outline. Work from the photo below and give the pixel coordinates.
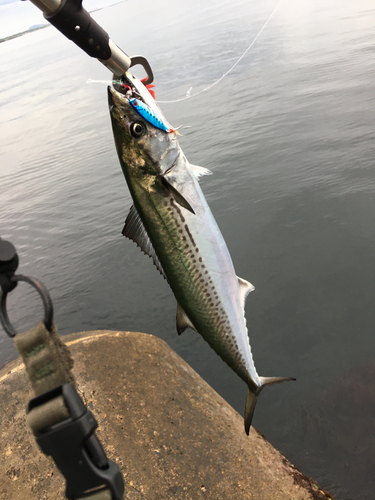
(114, 97)
(131, 90)
(117, 93)
(126, 86)
(122, 90)
(118, 104)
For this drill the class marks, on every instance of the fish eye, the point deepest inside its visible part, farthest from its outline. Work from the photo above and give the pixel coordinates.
(137, 129)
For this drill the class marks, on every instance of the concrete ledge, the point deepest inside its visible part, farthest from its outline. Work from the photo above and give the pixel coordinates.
(173, 436)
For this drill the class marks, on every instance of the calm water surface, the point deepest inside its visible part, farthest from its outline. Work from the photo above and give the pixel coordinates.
(289, 135)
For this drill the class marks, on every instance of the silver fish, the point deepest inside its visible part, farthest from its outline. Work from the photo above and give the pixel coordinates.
(172, 223)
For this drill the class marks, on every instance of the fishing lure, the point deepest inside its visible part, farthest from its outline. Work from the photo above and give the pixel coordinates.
(149, 115)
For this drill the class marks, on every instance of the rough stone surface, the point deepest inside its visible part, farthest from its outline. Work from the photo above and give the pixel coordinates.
(173, 436)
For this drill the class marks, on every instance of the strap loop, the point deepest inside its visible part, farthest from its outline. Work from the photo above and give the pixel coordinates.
(44, 294)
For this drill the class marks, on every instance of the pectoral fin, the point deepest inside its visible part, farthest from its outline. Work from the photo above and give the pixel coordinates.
(176, 194)
(136, 231)
(182, 320)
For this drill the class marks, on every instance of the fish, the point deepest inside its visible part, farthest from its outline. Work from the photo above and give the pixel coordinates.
(172, 223)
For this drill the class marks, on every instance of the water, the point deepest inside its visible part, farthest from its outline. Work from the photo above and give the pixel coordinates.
(289, 135)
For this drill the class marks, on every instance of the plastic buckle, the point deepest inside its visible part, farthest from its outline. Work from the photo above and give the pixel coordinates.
(75, 448)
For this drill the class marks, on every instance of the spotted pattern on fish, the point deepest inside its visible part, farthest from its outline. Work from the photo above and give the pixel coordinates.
(190, 253)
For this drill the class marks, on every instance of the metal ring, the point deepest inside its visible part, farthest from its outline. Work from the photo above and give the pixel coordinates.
(45, 296)
(146, 66)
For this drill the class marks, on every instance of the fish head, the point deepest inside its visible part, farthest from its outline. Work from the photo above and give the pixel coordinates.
(145, 151)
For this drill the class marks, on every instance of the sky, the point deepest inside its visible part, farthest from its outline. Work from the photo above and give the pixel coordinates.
(17, 16)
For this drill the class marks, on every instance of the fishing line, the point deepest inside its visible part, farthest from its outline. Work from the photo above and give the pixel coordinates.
(188, 93)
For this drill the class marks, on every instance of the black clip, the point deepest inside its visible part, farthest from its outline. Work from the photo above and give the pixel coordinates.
(8, 265)
(75, 448)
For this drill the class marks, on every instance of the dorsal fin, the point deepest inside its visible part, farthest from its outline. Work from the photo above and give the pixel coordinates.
(136, 231)
(182, 320)
(245, 289)
(200, 171)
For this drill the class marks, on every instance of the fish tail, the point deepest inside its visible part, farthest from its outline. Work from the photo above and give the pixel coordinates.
(251, 401)
(252, 397)
(274, 380)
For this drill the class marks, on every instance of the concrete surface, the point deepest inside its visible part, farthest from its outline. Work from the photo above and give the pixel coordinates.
(173, 436)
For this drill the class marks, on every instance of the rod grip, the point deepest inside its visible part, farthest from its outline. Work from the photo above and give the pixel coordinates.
(73, 21)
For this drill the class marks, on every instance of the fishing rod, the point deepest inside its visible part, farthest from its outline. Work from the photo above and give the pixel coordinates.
(76, 23)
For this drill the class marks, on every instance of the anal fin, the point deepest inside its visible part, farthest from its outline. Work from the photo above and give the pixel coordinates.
(182, 320)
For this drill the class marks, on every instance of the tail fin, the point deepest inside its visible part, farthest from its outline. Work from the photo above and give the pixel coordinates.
(252, 396)
(251, 401)
(274, 380)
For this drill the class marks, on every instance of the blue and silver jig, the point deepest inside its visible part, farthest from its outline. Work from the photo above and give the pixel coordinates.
(147, 113)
